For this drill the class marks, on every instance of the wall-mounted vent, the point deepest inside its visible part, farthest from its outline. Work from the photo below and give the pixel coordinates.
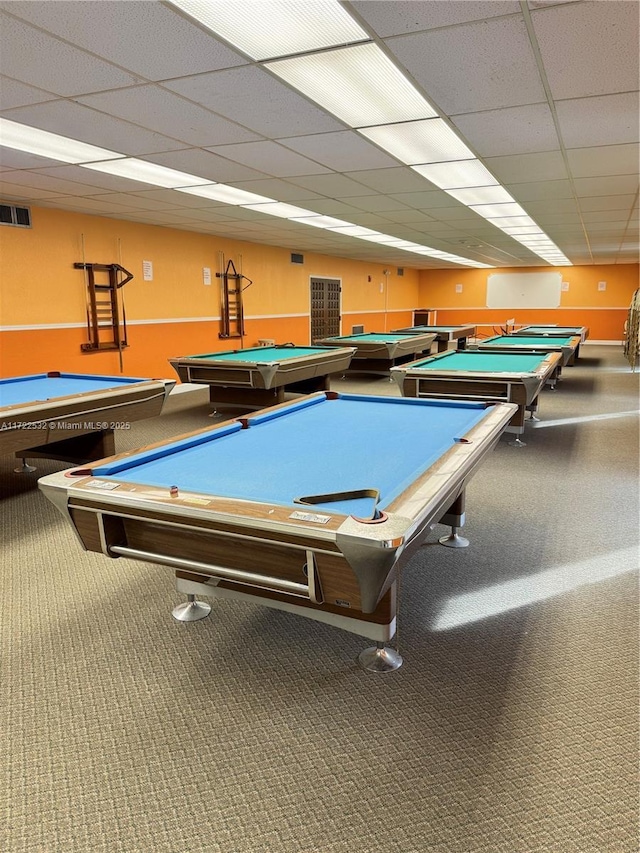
(400, 270)
(297, 259)
(12, 214)
(357, 330)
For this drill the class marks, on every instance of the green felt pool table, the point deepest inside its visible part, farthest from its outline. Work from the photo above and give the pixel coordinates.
(313, 506)
(567, 345)
(445, 335)
(73, 416)
(259, 376)
(514, 377)
(378, 352)
(555, 332)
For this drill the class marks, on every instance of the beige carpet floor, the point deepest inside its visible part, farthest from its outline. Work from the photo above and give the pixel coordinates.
(511, 728)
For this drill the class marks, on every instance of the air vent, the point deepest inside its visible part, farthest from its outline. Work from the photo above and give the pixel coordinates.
(11, 214)
(297, 259)
(357, 330)
(400, 270)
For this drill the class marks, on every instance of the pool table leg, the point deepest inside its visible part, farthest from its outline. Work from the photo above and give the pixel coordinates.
(380, 658)
(192, 610)
(454, 516)
(25, 468)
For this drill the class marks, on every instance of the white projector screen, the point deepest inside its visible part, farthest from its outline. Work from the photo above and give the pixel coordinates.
(524, 290)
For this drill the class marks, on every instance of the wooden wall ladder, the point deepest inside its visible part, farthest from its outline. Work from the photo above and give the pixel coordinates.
(232, 312)
(106, 321)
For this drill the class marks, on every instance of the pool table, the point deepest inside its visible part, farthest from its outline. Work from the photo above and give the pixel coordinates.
(73, 416)
(555, 332)
(567, 345)
(378, 352)
(259, 376)
(513, 377)
(445, 335)
(312, 506)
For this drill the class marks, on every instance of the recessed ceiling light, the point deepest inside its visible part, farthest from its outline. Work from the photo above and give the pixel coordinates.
(360, 85)
(228, 195)
(270, 28)
(147, 173)
(428, 141)
(22, 137)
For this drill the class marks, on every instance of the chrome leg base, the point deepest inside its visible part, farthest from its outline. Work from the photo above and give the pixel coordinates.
(380, 658)
(517, 443)
(25, 468)
(453, 540)
(191, 610)
(532, 417)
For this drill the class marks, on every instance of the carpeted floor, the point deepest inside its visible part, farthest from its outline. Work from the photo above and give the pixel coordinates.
(511, 728)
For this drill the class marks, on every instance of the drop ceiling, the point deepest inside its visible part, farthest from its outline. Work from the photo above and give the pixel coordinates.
(545, 94)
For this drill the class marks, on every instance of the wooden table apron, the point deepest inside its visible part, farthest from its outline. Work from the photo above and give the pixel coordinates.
(313, 560)
(53, 415)
(477, 375)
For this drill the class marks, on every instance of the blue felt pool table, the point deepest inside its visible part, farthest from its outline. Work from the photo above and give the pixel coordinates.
(73, 416)
(312, 506)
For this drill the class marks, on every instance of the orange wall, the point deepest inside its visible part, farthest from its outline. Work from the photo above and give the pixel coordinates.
(603, 312)
(43, 305)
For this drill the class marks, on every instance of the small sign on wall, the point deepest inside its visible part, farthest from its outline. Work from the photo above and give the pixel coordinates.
(602, 285)
(147, 270)
(458, 288)
(564, 287)
(206, 275)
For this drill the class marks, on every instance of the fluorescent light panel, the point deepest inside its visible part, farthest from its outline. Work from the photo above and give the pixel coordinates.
(481, 195)
(147, 173)
(270, 28)
(21, 137)
(279, 208)
(225, 194)
(457, 174)
(318, 221)
(359, 85)
(429, 141)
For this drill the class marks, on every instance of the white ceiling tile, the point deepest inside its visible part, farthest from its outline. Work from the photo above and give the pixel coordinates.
(159, 110)
(16, 191)
(104, 181)
(405, 16)
(60, 68)
(613, 185)
(410, 216)
(621, 203)
(16, 94)
(78, 122)
(589, 48)
(254, 98)
(608, 120)
(334, 185)
(376, 203)
(10, 158)
(270, 158)
(604, 160)
(38, 180)
(344, 151)
(280, 190)
(427, 200)
(481, 77)
(400, 179)
(137, 202)
(556, 205)
(518, 168)
(178, 47)
(90, 205)
(516, 130)
(537, 190)
(206, 164)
